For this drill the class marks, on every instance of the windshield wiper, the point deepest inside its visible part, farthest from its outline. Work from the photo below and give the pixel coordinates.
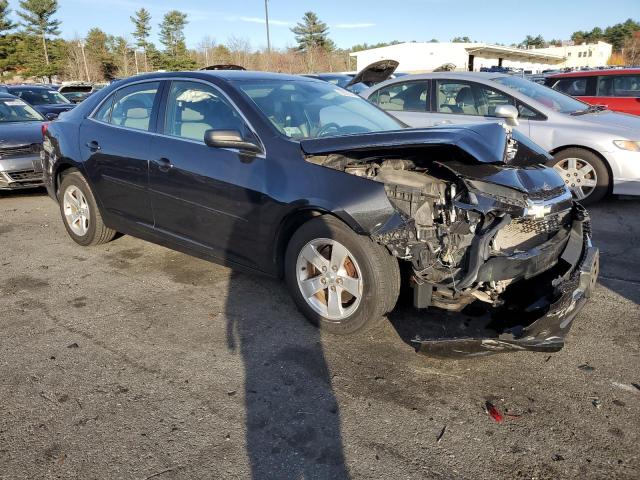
(590, 109)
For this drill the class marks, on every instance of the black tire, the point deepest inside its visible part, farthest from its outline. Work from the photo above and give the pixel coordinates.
(97, 232)
(379, 270)
(603, 178)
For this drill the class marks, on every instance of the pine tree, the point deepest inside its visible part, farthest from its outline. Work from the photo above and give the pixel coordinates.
(7, 42)
(37, 16)
(176, 56)
(311, 33)
(142, 24)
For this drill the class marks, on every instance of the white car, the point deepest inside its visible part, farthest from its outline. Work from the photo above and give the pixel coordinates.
(596, 151)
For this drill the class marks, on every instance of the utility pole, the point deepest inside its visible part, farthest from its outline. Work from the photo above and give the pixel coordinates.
(266, 17)
(84, 60)
(135, 58)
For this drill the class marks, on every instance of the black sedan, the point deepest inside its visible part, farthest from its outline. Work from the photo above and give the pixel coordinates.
(47, 100)
(20, 144)
(295, 177)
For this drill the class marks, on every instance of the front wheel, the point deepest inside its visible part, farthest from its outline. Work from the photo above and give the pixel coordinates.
(341, 281)
(584, 173)
(80, 212)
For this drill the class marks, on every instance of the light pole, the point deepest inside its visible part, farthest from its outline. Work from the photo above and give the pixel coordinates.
(266, 16)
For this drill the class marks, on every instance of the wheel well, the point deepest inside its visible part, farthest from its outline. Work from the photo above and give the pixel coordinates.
(287, 227)
(60, 172)
(595, 152)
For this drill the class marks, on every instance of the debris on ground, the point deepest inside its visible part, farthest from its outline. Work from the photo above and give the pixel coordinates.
(493, 412)
(73, 345)
(444, 429)
(586, 367)
(557, 457)
(596, 402)
(632, 388)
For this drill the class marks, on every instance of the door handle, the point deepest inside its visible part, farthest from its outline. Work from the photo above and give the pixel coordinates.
(164, 164)
(93, 146)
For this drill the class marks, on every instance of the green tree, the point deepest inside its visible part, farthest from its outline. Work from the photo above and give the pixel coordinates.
(122, 52)
(37, 16)
(536, 42)
(142, 30)
(311, 34)
(5, 22)
(617, 34)
(7, 43)
(464, 39)
(98, 49)
(176, 56)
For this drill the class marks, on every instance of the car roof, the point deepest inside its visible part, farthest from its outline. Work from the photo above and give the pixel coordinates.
(229, 75)
(595, 73)
(30, 87)
(453, 75)
(6, 95)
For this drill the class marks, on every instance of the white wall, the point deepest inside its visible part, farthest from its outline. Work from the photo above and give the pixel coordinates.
(585, 55)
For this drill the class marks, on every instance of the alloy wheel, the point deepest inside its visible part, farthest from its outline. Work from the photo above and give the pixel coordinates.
(76, 210)
(578, 175)
(329, 278)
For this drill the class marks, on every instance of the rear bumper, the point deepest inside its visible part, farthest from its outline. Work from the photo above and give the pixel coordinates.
(546, 333)
(20, 172)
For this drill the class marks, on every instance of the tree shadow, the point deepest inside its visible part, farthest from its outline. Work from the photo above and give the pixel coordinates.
(292, 416)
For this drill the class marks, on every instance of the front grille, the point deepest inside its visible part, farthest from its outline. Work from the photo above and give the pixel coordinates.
(24, 175)
(547, 194)
(19, 150)
(523, 234)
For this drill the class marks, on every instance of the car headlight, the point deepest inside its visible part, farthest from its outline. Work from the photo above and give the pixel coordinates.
(627, 145)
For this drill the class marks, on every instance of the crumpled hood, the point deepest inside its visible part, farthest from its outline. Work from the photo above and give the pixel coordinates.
(485, 142)
(13, 134)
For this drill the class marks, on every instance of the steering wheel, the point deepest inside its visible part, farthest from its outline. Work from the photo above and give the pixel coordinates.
(327, 129)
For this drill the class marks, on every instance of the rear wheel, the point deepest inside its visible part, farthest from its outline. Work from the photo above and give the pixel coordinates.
(341, 281)
(80, 212)
(584, 173)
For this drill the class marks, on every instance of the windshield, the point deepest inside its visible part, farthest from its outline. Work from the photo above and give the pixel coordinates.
(40, 96)
(550, 98)
(312, 109)
(15, 110)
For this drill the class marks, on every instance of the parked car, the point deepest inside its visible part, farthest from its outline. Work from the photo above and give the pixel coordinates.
(617, 89)
(76, 92)
(594, 150)
(358, 82)
(20, 144)
(295, 177)
(45, 99)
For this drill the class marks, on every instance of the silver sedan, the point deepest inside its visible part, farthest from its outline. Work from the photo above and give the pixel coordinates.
(596, 151)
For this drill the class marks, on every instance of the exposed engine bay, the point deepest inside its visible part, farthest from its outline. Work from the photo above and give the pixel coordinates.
(468, 231)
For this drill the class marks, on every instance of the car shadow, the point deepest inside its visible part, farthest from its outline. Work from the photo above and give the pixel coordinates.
(616, 232)
(292, 420)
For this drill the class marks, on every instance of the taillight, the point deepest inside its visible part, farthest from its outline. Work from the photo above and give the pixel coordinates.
(44, 128)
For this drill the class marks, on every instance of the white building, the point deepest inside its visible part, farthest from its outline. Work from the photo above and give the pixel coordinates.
(414, 57)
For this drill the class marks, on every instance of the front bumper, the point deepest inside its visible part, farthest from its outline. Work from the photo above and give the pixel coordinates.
(19, 172)
(547, 333)
(625, 167)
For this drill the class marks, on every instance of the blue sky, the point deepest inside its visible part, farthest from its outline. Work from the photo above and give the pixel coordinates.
(355, 21)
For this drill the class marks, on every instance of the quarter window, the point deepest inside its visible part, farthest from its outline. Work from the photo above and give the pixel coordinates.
(133, 106)
(193, 108)
(626, 86)
(403, 97)
(468, 98)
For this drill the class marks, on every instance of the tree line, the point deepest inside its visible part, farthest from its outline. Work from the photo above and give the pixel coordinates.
(32, 47)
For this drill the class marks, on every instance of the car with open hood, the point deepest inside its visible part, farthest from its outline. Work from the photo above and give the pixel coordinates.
(595, 150)
(20, 144)
(294, 177)
(358, 82)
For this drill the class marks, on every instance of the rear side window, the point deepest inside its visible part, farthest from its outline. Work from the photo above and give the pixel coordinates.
(619, 86)
(469, 98)
(132, 106)
(575, 87)
(403, 97)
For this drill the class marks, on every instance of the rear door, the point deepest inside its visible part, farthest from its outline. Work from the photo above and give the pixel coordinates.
(619, 92)
(208, 198)
(115, 144)
(406, 101)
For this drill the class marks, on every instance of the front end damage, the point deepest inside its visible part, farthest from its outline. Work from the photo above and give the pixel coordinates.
(502, 235)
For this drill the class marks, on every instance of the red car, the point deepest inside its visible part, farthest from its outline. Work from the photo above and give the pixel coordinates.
(618, 89)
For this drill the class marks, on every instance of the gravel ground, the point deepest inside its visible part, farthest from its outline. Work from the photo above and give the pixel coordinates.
(132, 361)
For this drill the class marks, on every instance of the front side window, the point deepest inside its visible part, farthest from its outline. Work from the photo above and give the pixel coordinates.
(575, 87)
(193, 108)
(15, 110)
(469, 98)
(403, 97)
(133, 105)
(311, 109)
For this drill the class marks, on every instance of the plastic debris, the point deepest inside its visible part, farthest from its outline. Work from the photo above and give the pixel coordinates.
(444, 429)
(493, 412)
(73, 345)
(596, 403)
(632, 388)
(586, 367)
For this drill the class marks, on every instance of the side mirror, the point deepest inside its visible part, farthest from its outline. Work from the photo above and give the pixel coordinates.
(509, 113)
(51, 116)
(230, 139)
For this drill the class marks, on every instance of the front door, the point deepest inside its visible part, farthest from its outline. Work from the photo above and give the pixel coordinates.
(209, 198)
(115, 145)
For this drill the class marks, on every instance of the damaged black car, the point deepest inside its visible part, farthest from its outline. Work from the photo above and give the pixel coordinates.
(297, 178)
